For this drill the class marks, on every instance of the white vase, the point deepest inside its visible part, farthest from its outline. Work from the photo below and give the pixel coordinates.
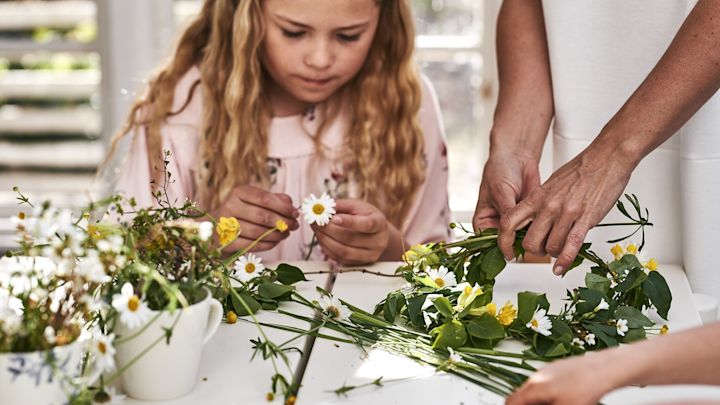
(167, 371)
(39, 378)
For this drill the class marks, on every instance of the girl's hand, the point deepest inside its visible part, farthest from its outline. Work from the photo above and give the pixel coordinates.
(357, 234)
(257, 211)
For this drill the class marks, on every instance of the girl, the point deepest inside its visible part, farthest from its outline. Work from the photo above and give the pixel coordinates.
(267, 101)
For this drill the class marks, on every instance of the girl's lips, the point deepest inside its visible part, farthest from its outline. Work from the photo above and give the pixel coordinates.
(315, 82)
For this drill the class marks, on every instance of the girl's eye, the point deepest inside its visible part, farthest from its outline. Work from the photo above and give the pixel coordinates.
(348, 38)
(293, 34)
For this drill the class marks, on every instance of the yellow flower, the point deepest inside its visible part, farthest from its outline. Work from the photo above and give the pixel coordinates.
(281, 225)
(651, 265)
(227, 229)
(491, 308)
(291, 400)
(617, 251)
(231, 317)
(632, 249)
(416, 253)
(270, 396)
(664, 330)
(507, 314)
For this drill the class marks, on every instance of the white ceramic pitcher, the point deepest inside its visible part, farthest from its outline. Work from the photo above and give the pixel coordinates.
(167, 371)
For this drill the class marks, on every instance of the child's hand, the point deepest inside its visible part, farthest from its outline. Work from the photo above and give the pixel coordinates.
(257, 210)
(357, 234)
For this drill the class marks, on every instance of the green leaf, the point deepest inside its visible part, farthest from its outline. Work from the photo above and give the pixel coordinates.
(633, 335)
(249, 301)
(273, 290)
(561, 331)
(634, 317)
(589, 300)
(627, 262)
(393, 304)
(604, 333)
(598, 283)
(659, 293)
(634, 279)
(493, 263)
(451, 334)
(528, 302)
(415, 310)
(485, 327)
(288, 274)
(443, 306)
(547, 347)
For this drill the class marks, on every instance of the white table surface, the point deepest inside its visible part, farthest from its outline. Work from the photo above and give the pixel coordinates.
(332, 365)
(227, 376)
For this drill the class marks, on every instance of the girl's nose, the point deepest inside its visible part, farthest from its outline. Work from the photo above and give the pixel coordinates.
(320, 56)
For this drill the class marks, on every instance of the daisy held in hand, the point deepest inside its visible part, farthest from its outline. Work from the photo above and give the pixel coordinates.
(317, 211)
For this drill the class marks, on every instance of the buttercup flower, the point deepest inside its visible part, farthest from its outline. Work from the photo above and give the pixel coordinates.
(631, 248)
(617, 251)
(540, 323)
(651, 265)
(442, 277)
(318, 210)
(205, 231)
(416, 254)
(664, 330)
(602, 305)
(231, 317)
(590, 339)
(467, 296)
(621, 326)
(507, 314)
(491, 308)
(228, 230)
(331, 306)
(248, 267)
(133, 311)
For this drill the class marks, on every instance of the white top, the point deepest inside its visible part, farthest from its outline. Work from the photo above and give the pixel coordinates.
(600, 52)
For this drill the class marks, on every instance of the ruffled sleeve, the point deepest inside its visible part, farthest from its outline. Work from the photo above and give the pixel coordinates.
(429, 216)
(180, 136)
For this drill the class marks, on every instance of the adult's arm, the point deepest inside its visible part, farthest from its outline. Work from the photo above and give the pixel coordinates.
(523, 113)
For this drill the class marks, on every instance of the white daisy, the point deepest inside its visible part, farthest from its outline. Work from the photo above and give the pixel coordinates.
(442, 277)
(540, 323)
(602, 305)
(133, 311)
(103, 351)
(331, 306)
(205, 230)
(621, 326)
(318, 210)
(590, 339)
(92, 269)
(249, 266)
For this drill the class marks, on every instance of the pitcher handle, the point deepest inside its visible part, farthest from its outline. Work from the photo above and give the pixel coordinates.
(214, 319)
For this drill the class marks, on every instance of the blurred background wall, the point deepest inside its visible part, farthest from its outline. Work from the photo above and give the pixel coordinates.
(69, 69)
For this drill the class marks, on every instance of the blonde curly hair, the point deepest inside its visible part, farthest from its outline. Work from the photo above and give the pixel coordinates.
(384, 140)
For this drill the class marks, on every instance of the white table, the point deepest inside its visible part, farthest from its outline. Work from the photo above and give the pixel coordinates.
(331, 365)
(227, 376)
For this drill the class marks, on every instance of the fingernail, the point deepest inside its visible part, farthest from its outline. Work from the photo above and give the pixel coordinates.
(558, 270)
(336, 220)
(296, 213)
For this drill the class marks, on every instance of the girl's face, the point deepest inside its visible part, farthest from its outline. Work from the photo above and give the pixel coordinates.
(313, 47)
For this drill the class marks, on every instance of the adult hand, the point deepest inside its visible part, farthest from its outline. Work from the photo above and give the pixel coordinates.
(507, 179)
(258, 210)
(575, 199)
(576, 381)
(358, 233)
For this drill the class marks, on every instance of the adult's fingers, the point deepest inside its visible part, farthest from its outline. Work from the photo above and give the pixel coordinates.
(345, 236)
(343, 253)
(558, 235)
(515, 218)
(534, 240)
(573, 243)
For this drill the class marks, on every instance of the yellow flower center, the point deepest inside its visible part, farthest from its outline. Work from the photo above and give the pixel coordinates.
(664, 330)
(250, 268)
(318, 209)
(102, 348)
(534, 323)
(133, 303)
(21, 215)
(334, 312)
(440, 282)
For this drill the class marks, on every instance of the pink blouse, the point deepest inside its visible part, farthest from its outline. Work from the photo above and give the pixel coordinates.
(294, 168)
